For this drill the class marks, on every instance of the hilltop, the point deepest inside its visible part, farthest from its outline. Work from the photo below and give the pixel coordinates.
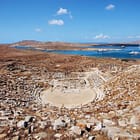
(68, 46)
(48, 45)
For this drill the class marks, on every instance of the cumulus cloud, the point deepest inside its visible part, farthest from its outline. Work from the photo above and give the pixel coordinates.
(38, 30)
(110, 7)
(56, 22)
(62, 11)
(101, 36)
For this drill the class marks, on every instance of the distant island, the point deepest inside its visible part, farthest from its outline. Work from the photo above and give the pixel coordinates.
(67, 45)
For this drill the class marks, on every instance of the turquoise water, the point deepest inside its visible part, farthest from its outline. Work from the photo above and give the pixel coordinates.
(131, 52)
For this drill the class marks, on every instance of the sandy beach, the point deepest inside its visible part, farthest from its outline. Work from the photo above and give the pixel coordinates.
(68, 100)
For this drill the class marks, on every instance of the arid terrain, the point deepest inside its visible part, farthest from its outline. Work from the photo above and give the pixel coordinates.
(31, 108)
(49, 45)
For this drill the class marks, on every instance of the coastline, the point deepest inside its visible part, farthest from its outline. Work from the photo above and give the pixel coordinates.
(25, 74)
(116, 50)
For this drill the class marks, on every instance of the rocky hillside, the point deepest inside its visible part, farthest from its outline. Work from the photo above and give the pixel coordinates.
(48, 45)
(24, 75)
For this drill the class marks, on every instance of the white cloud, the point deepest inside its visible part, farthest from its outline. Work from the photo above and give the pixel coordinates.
(62, 11)
(110, 7)
(56, 22)
(138, 36)
(38, 30)
(130, 37)
(101, 36)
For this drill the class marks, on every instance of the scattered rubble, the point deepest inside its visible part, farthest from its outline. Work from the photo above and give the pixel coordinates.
(113, 115)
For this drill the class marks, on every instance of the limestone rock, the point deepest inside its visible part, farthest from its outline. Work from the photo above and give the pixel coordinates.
(76, 130)
(91, 138)
(98, 127)
(57, 135)
(22, 124)
(133, 120)
(115, 133)
(107, 122)
(122, 123)
(87, 116)
(58, 124)
(41, 135)
(15, 138)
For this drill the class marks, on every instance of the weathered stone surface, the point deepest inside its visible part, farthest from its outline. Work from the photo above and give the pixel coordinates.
(115, 133)
(40, 135)
(107, 122)
(134, 120)
(76, 130)
(22, 124)
(91, 138)
(122, 123)
(16, 138)
(98, 127)
(58, 124)
(57, 135)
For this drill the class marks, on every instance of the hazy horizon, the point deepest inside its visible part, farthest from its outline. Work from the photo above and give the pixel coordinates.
(81, 42)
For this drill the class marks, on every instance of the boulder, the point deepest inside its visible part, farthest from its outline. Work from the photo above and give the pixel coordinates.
(87, 116)
(98, 127)
(22, 124)
(58, 124)
(57, 135)
(115, 133)
(122, 123)
(91, 138)
(133, 120)
(76, 130)
(107, 122)
(40, 135)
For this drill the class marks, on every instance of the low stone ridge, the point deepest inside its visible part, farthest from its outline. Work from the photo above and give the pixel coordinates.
(113, 115)
(49, 45)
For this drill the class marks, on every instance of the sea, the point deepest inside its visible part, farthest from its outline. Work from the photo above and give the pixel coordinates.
(123, 52)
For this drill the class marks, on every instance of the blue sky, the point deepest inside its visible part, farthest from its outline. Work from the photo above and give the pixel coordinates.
(69, 20)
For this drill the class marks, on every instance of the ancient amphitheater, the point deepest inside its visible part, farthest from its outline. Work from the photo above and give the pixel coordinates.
(80, 88)
(75, 89)
(97, 101)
